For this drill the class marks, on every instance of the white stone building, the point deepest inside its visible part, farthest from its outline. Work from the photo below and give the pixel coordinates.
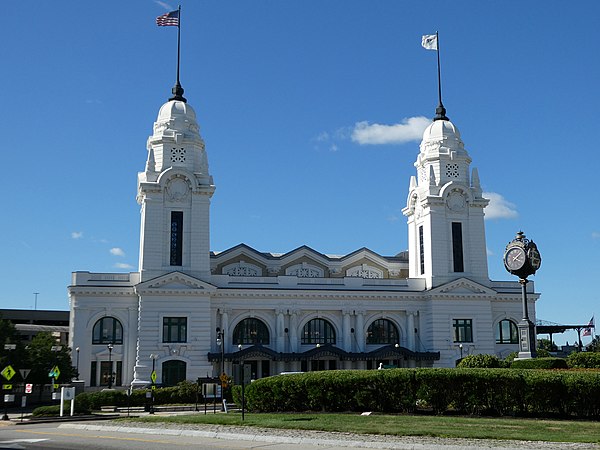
(189, 312)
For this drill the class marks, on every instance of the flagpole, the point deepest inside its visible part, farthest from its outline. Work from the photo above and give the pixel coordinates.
(440, 111)
(179, 42)
(177, 89)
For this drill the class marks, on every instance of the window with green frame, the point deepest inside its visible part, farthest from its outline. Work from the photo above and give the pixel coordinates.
(174, 329)
(107, 330)
(382, 331)
(463, 330)
(507, 332)
(318, 331)
(251, 331)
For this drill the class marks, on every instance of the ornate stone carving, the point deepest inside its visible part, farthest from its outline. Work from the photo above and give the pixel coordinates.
(242, 269)
(305, 270)
(177, 189)
(364, 271)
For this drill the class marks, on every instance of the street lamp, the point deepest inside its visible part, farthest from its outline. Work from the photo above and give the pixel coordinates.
(461, 347)
(221, 345)
(110, 371)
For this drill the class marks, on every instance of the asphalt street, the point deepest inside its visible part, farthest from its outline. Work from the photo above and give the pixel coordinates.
(111, 435)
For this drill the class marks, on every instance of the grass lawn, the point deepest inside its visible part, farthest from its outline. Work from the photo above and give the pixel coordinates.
(406, 425)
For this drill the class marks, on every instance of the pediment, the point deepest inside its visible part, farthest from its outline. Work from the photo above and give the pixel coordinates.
(462, 286)
(174, 282)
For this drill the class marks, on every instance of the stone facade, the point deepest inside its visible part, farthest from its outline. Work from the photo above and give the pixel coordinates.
(189, 312)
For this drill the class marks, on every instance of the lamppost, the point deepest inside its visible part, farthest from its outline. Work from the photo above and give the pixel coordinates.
(110, 371)
(221, 345)
(522, 258)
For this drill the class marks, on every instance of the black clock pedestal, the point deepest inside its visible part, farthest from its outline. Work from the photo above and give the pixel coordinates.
(527, 338)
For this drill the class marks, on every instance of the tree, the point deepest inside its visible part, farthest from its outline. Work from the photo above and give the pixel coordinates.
(594, 346)
(10, 335)
(42, 359)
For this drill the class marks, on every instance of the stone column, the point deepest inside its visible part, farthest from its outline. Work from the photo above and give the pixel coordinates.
(293, 331)
(346, 331)
(359, 331)
(280, 331)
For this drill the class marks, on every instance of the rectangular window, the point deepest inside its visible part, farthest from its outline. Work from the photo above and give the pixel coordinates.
(421, 250)
(174, 329)
(457, 247)
(463, 330)
(176, 238)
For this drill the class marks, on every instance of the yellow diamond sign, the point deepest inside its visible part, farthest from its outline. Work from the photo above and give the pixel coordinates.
(8, 372)
(153, 376)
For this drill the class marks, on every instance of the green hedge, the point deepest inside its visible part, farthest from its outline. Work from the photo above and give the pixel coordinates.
(537, 393)
(584, 360)
(481, 361)
(54, 410)
(540, 363)
(184, 392)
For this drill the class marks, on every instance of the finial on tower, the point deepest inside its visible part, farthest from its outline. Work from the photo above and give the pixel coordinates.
(432, 42)
(178, 93)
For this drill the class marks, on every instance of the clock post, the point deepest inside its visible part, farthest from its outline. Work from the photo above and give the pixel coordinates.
(522, 258)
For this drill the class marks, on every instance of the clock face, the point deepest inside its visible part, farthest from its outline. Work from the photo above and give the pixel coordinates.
(535, 259)
(514, 258)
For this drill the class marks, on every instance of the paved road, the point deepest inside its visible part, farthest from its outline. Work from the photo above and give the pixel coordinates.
(101, 436)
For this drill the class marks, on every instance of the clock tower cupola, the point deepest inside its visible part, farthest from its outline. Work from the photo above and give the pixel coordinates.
(446, 232)
(174, 192)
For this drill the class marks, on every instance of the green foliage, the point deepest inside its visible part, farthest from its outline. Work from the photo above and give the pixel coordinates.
(54, 410)
(539, 363)
(481, 361)
(184, 392)
(584, 360)
(41, 359)
(492, 391)
(594, 346)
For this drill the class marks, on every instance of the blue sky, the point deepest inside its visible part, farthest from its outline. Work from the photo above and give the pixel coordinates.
(311, 112)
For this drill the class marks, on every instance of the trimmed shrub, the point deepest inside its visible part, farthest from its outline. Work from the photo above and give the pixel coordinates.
(539, 363)
(54, 410)
(481, 361)
(184, 392)
(539, 393)
(584, 360)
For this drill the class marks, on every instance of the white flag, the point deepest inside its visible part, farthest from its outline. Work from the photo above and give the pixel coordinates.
(429, 42)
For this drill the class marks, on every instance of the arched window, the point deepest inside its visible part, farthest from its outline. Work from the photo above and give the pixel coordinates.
(107, 330)
(173, 372)
(507, 332)
(383, 331)
(318, 331)
(251, 332)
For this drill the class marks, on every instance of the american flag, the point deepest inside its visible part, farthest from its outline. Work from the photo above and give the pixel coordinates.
(588, 331)
(170, 19)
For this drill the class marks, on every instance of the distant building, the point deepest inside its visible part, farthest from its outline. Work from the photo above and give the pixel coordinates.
(190, 312)
(31, 322)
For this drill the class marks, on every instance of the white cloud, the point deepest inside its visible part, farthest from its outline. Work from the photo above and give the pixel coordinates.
(76, 234)
(123, 266)
(410, 129)
(164, 5)
(595, 235)
(116, 251)
(499, 207)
